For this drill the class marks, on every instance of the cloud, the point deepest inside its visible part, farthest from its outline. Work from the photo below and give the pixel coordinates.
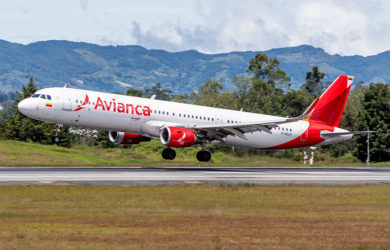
(345, 27)
(84, 4)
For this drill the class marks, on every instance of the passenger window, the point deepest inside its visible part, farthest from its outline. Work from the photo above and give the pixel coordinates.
(35, 96)
(48, 97)
(43, 96)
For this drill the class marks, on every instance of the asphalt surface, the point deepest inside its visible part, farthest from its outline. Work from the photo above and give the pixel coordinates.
(168, 176)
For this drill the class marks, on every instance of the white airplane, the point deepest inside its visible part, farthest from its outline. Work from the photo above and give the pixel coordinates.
(132, 120)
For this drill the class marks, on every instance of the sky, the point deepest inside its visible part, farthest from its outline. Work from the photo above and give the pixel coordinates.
(345, 27)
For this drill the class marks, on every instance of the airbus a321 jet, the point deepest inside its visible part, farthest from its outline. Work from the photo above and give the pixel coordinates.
(131, 120)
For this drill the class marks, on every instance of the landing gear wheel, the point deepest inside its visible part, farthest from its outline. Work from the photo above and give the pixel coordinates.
(203, 155)
(168, 154)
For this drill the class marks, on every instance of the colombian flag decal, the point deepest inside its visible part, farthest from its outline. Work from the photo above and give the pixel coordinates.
(49, 105)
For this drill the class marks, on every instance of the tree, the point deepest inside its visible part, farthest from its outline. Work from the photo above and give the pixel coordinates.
(134, 92)
(161, 94)
(263, 95)
(19, 127)
(209, 94)
(243, 84)
(375, 116)
(295, 102)
(184, 98)
(313, 84)
(267, 69)
(264, 98)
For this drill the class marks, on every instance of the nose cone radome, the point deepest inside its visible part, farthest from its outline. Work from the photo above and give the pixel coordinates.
(24, 107)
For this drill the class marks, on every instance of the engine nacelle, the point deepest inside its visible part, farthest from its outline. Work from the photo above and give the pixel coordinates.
(177, 137)
(126, 138)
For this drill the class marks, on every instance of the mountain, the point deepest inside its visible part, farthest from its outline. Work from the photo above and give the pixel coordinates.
(117, 68)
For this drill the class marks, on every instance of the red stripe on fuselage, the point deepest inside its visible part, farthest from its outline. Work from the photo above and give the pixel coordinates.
(313, 137)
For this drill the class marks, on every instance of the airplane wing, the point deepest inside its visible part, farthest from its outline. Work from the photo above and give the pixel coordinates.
(220, 131)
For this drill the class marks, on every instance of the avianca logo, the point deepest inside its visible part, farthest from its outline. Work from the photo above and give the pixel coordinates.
(81, 106)
(126, 108)
(181, 140)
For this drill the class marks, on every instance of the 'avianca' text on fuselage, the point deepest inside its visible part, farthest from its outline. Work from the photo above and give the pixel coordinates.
(131, 120)
(113, 106)
(122, 107)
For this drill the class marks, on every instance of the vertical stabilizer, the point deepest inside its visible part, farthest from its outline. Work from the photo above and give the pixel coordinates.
(329, 107)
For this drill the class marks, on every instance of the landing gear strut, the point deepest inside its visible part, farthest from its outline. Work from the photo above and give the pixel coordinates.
(168, 154)
(58, 130)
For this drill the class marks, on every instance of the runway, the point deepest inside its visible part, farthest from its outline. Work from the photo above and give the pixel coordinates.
(169, 176)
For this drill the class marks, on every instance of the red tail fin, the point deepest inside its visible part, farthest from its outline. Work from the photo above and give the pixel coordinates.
(329, 107)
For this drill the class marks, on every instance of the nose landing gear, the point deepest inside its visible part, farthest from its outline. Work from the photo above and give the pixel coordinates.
(58, 131)
(168, 154)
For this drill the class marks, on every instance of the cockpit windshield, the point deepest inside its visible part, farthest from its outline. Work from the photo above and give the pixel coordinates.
(43, 96)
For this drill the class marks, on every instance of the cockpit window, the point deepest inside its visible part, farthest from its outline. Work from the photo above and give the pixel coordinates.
(48, 97)
(35, 95)
(43, 96)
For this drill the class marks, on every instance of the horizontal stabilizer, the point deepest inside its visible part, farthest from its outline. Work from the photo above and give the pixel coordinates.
(330, 134)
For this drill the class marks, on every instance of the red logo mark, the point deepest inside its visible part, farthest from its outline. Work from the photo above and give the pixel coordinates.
(81, 106)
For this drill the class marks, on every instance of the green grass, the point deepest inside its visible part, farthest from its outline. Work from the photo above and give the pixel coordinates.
(16, 153)
(195, 217)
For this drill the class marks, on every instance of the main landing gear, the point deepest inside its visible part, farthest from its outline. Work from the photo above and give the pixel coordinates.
(168, 154)
(203, 155)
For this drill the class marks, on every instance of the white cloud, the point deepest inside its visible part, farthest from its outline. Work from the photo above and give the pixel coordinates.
(339, 26)
(346, 27)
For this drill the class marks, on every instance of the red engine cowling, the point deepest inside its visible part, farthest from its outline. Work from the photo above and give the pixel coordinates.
(177, 137)
(126, 138)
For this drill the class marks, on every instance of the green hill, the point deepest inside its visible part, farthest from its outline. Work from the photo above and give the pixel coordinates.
(116, 68)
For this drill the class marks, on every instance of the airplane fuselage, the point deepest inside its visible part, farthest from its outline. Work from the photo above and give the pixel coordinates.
(144, 116)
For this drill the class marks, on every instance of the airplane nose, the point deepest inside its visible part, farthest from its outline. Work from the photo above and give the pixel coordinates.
(23, 107)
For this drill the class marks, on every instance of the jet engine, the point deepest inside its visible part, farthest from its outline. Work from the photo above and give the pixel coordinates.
(126, 138)
(177, 137)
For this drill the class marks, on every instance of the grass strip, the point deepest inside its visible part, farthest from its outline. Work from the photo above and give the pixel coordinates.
(195, 216)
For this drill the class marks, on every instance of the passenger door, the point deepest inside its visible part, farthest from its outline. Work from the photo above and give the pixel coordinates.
(67, 101)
